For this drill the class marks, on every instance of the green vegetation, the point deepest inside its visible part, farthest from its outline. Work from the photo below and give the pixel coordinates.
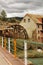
(3, 15)
(34, 54)
(30, 54)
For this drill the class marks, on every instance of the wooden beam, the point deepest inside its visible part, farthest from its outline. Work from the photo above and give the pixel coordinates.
(5, 42)
(15, 48)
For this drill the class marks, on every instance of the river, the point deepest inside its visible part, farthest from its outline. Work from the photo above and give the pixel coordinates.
(36, 61)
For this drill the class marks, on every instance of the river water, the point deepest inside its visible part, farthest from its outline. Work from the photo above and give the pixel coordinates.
(36, 61)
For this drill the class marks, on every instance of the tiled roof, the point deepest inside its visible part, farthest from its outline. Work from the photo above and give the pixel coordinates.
(35, 15)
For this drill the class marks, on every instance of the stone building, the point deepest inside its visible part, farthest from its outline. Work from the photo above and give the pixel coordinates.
(30, 26)
(34, 26)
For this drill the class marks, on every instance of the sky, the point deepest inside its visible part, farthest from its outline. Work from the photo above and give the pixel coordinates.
(21, 7)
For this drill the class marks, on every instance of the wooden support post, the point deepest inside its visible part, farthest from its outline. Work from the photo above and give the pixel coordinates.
(15, 48)
(4, 42)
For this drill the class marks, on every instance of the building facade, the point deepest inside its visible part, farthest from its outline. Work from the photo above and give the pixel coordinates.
(30, 26)
(40, 30)
(34, 26)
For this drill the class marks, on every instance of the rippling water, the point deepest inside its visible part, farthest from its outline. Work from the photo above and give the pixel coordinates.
(36, 61)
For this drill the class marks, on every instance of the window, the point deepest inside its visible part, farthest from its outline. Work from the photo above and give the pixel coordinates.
(24, 20)
(39, 38)
(38, 26)
(42, 39)
(42, 20)
(42, 26)
(38, 31)
(28, 20)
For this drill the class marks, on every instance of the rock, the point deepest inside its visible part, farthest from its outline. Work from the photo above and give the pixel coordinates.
(39, 50)
(30, 63)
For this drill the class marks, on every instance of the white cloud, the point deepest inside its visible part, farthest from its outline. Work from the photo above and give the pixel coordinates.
(20, 7)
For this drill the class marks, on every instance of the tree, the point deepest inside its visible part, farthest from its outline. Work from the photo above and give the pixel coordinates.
(3, 15)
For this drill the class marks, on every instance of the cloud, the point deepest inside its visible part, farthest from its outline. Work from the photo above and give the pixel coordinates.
(22, 6)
